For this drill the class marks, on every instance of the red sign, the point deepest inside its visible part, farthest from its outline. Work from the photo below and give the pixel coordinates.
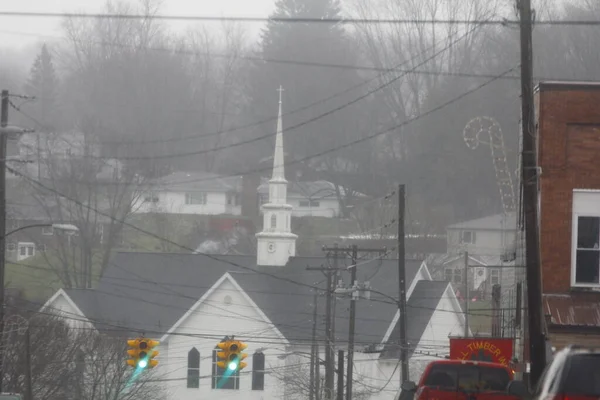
(482, 349)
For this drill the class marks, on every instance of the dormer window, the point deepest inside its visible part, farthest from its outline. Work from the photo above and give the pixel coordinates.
(467, 237)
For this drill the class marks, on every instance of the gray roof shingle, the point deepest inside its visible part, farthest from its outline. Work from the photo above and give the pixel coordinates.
(419, 310)
(149, 292)
(492, 222)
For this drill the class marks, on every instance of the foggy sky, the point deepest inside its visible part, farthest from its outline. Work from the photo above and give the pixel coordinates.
(20, 32)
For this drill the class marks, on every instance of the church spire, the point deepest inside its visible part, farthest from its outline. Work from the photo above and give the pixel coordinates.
(276, 243)
(278, 164)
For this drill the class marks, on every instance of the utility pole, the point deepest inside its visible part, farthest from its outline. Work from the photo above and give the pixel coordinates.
(3, 145)
(317, 373)
(353, 284)
(404, 376)
(354, 291)
(314, 357)
(467, 294)
(529, 170)
(340, 380)
(29, 388)
(330, 273)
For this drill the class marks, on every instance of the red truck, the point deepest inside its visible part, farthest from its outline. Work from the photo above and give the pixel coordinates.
(464, 380)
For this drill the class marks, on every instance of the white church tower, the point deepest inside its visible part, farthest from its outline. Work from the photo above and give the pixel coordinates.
(276, 243)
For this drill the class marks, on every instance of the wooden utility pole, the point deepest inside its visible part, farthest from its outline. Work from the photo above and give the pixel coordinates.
(3, 145)
(331, 273)
(404, 375)
(529, 170)
(317, 373)
(340, 377)
(467, 294)
(353, 284)
(314, 357)
(354, 291)
(28, 385)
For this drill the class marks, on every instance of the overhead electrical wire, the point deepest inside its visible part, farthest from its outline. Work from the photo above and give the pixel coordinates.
(293, 127)
(50, 189)
(356, 141)
(302, 20)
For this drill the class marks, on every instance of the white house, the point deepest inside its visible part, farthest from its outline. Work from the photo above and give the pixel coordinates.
(190, 302)
(192, 193)
(494, 235)
(52, 155)
(309, 199)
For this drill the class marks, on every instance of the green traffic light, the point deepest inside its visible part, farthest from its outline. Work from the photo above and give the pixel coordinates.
(142, 364)
(232, 366)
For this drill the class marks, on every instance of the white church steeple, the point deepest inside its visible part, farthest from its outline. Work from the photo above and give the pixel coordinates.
(276, 243)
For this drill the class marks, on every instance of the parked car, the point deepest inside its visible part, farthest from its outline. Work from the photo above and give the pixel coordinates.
(470, 380)
(573, 374)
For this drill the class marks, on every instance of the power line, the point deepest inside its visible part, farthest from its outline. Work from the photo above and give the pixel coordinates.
(348, 144)
(301, 20)
(293, 127)
(185, 247)
(269, 60)
(207, 18)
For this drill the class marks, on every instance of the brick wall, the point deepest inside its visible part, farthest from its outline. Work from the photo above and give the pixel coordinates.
(569, 142)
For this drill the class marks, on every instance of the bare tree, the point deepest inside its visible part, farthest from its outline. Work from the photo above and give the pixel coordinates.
(297, 385)
(429, 67)
(69, 362)
(216, 64)
(92, 193)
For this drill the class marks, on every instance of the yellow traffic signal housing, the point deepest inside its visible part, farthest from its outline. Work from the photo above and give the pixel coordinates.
(141, 355)
(236, 356)
(223, 356)
(241, 364)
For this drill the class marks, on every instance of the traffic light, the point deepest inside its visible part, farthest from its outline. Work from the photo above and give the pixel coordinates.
(231, 356)
(141, 353)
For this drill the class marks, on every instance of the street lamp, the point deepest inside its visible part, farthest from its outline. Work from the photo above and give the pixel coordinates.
(12, 131)
(60, 227)
(63, 227)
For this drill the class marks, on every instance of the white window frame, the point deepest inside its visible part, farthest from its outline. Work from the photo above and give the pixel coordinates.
(494, 276)
(462, 237)
(449, 271)
(458, 276)
(575, 225)
(25, 245)
(151, 197)
(595, 213)
(194, 195)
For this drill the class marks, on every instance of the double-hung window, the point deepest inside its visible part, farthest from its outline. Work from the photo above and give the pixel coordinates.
(586, 268)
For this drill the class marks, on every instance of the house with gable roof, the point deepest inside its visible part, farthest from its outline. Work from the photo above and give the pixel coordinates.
(190, 302)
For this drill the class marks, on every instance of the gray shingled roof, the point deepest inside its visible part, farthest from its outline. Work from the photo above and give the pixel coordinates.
(149, 292)
(182, 181)
(419, 310)
(492, 222)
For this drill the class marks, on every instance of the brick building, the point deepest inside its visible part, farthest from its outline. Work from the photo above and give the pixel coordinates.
(568, 123)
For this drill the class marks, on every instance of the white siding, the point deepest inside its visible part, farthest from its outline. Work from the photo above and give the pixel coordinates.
(487, 242)
(446, 321)
(328, 208)
(174, 203)
(215, 319)
(61, 304)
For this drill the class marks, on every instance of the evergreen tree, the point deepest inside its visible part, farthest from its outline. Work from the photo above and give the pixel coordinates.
(43, 85)
(292, 55)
